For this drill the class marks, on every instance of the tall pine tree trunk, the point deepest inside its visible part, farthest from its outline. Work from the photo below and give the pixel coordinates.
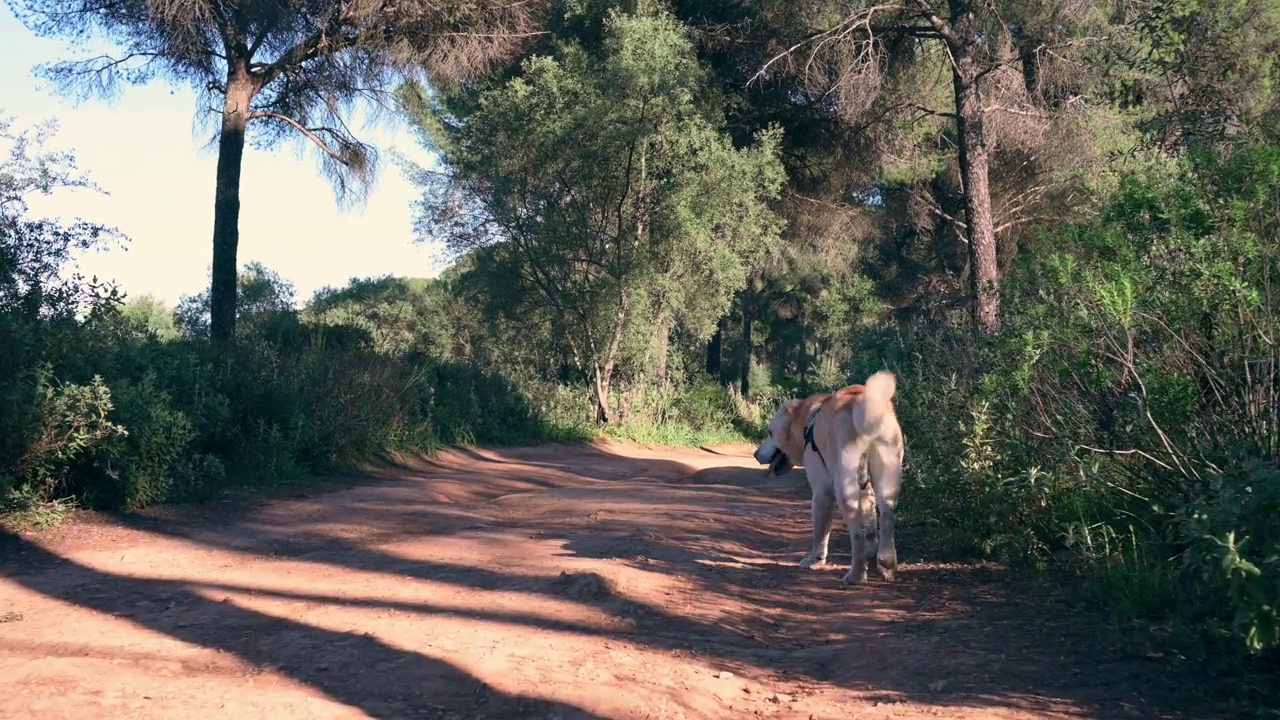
(746, 344)
(715, 349)
(974, 158)
(662, 369)
(802, 360)
(802, 356)
(226, 205)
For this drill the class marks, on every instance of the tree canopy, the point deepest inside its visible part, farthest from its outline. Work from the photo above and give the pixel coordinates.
(284, 68)
(602, 193)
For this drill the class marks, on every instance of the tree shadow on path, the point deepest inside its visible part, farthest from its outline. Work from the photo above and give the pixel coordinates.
(355, 669)
(941, 636)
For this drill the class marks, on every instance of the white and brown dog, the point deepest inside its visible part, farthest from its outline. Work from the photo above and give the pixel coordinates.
(833, 435)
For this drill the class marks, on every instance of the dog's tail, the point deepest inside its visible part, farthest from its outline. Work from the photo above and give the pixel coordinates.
(877, 396)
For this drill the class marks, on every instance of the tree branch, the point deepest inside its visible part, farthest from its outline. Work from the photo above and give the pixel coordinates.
(914, 30)
(308, 47)
(821, 203)
(262, 37)
(310, 133)
(224, 25)
(490, 36)
(840, 30)
(80, 68)
(1015, 111)
(939, 25)
(931, 111)
(936, 209)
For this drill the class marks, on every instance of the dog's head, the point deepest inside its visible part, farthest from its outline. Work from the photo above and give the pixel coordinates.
(776, 451)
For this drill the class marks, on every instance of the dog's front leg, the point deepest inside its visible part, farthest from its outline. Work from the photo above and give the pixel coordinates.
(823, 503)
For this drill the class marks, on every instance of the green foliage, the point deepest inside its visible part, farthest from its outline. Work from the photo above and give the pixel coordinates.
(600, 197)
(143, 467)
(395, 314)
(145, 316)
(264, 307)
(1239, 546)
(71, 422)
(1124, 423)
(47, 422)
(125, 404)
(696, 412)
(1199, 72)
(180, 422)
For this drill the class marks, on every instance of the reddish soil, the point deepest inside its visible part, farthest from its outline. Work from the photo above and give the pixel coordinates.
(599, 581)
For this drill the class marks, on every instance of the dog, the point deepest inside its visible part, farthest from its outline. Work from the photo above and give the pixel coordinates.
(835, 436)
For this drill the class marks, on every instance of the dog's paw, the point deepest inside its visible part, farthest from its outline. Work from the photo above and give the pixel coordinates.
(888, 567)
(810, 562)
(854, 577)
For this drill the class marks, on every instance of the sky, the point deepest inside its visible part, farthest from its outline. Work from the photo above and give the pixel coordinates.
(144, 149)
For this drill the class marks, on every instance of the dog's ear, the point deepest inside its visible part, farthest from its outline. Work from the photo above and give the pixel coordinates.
(791, 405)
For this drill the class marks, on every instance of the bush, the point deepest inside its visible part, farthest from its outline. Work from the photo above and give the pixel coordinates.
(49, 419)
(1127, 413)
(124, 405)
(144, 466)
(70, 422)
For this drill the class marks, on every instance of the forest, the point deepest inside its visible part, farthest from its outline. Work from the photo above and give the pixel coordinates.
(1056, 221)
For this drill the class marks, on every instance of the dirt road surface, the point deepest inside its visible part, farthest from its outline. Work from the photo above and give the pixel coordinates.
(601, 581)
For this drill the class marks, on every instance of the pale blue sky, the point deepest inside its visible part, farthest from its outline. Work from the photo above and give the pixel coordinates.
(143, 148)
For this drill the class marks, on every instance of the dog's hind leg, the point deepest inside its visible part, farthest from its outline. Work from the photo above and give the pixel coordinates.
(849, 493)
(885, 464)
(868, 499)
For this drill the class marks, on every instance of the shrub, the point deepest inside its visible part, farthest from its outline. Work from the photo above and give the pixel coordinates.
(1127, 413)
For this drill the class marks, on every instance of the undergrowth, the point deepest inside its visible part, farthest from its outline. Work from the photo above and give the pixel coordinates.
(1123, 424)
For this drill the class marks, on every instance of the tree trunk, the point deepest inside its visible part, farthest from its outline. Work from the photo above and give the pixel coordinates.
(974, 158)
(226, 206)
(663, 348)
(803, 361)
(603, 366)
(802, 358)
(715, 349)
(746, 345)
(603, 378)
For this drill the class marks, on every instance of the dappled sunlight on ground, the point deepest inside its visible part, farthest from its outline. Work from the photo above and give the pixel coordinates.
(602, 581)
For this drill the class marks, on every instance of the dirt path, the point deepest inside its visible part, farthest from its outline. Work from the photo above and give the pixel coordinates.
(551, 582)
